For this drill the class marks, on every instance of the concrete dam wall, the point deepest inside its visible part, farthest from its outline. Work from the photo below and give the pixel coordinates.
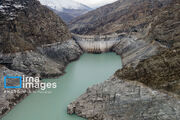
(97, 43)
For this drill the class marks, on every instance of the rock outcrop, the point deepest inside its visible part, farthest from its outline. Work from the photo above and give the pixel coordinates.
(162, 70)
(133, 49)
(47, 61)
(118, 99)
(7, 99)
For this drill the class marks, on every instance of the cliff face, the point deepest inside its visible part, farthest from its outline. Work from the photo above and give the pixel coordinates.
(162, 70)
(118, 99)
(121, 16)
(25, 24)
(159, 72)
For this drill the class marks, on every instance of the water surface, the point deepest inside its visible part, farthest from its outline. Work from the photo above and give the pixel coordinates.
(90, 69)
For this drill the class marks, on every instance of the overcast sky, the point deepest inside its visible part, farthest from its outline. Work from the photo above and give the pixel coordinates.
(95, 3)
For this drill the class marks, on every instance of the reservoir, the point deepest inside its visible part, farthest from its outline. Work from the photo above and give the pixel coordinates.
(90, 69)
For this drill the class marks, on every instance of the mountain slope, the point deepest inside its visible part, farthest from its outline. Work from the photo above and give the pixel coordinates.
(31, 36)
(148, 90)
(121, 16)
(34, 42)
(161, 71)
(27, 24)
(66, 9)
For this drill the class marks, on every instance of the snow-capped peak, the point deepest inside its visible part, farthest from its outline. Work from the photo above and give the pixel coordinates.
(63, 4)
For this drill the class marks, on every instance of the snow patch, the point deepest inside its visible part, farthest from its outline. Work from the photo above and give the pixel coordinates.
(18, 6)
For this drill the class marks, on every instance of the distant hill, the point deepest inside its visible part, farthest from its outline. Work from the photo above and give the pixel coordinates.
(66, 9)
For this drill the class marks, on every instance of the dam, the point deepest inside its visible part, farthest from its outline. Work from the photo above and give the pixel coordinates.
(97, 43)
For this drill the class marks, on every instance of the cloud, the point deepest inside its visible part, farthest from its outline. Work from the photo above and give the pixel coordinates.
(95, 3)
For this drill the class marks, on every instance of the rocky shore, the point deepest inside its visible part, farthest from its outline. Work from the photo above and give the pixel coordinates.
(46, 62)
(117, 99)
(9, 100)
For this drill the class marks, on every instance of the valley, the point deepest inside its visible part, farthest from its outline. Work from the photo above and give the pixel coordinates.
(144, 35)
(66, 9)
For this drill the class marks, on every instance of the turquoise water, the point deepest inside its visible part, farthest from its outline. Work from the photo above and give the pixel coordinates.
(90, 69)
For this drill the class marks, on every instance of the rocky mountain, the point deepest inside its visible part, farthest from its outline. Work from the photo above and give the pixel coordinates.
(120, 16)
(34, 41)
(162, 70)
(148, 86)
(29, 31)
(27, 24)
(66, 9)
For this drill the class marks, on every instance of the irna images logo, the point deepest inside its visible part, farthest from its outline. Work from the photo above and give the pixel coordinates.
(27, 82)
(15, 78)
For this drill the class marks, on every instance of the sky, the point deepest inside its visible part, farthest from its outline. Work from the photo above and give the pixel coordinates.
(95, 3)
